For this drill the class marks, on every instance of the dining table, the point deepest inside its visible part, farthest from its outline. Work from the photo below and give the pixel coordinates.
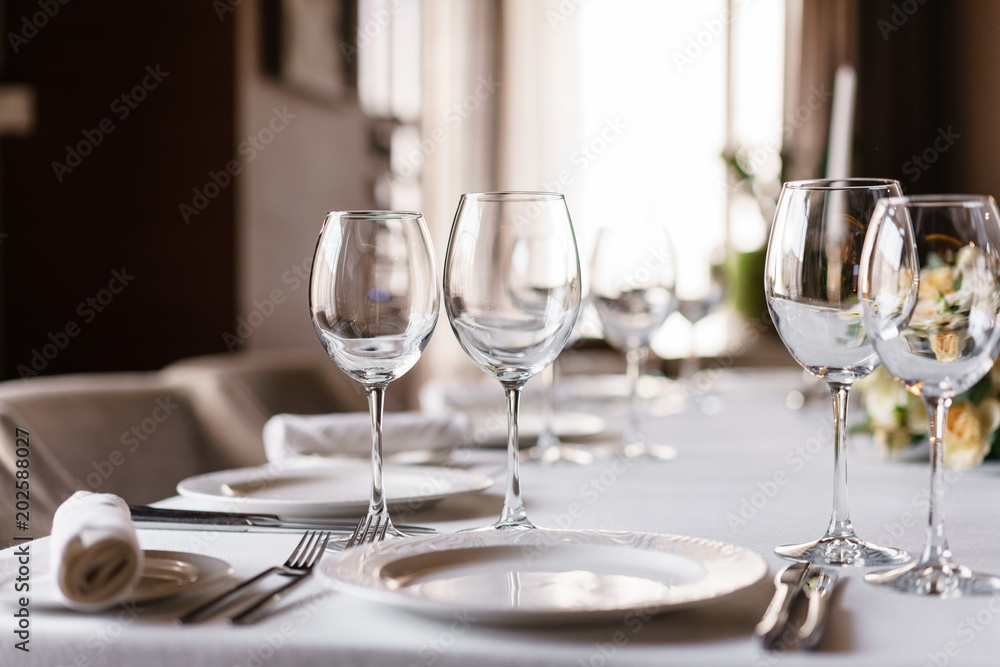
(755, 470)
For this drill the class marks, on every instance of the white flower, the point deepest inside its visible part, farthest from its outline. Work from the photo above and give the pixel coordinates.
(966, 441)
(883, 398)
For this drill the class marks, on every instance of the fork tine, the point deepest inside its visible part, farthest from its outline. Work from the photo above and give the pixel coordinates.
(326, 538)
(291, 558)
(298, 561)
(316, 549)
(213, 605)
(305, 566)
(381, 535)
(360, 531)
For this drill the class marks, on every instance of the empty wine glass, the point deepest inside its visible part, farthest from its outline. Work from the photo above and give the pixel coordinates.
(811, 284)
(632, 285)
(550, 447)
(931, 298)
(512, 294)
(700, 288)
(374, 302)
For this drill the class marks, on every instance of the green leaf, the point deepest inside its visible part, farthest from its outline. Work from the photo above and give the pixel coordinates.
(980, 390)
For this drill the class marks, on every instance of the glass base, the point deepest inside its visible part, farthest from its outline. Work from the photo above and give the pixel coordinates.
(850, 551)
(502, 525)
(642, 450)
(550, 449)
(610, 450)
(943, 580)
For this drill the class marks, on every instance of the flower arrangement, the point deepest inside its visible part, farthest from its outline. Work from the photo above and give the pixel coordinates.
(897, 419)
(938, 328)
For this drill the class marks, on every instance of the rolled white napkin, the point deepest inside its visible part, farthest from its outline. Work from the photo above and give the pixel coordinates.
(96, 559)
(349, 434)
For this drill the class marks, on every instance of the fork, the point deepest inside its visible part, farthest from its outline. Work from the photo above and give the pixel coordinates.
(298, 565)
(371, 528)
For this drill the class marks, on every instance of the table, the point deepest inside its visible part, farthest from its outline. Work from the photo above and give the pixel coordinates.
(756, 474)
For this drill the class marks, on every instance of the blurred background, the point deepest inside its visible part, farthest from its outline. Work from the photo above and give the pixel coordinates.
(165, 166)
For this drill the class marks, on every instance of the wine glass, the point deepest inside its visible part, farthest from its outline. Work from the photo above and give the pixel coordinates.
(550, 447)
(811, 284)
(374, 302)
(632, 285)
(930, 291)
(700, 288)
(512, 294)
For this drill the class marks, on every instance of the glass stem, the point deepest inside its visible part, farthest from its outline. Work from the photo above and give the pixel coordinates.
(634, 358)
(513, 513)
(936, 551)
(376, 400)
(840, 519)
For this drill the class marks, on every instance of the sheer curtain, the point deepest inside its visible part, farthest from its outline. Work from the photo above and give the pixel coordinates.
(629, 107)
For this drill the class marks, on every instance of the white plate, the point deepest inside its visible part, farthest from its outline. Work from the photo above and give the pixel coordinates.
(315, 487)
(164, 573)
(544, 576)
(170, 572)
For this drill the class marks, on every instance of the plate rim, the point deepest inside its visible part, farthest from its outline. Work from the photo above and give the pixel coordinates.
(370, 564)
(199, 561)
(477, 483)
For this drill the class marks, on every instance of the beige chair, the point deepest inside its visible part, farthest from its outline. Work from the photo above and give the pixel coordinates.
(237, 393)
(131, 434)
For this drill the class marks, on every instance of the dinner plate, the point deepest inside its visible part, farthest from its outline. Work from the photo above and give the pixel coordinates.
(544, 576)
(164, 573)
(314, 487)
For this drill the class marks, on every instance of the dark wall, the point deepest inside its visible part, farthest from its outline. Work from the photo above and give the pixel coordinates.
(99, 270)
(910, 71)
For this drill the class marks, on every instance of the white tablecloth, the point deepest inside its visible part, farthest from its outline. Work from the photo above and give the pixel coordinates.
(756, 474)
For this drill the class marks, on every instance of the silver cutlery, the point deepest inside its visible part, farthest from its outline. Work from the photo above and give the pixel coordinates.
(173, 519)
(370, 529)
(298, 565)
(775, 630)
(817, 587)
(787, 584)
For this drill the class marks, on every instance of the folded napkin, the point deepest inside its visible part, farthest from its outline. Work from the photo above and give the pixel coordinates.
(349, 434)
(96, 559)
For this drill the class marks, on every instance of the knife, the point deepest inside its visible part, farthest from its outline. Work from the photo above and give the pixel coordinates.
(787, 584)
(818, 587)
(171, 519)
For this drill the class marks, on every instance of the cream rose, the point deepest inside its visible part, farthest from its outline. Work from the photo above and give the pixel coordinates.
(945, 346)
(886, 402)
(935, 282)
(965, 443)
